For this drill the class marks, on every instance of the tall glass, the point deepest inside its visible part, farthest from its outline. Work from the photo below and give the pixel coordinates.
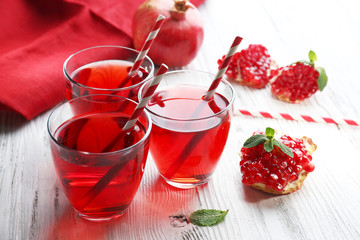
(99, 166)
(189, 133)
(104, 70)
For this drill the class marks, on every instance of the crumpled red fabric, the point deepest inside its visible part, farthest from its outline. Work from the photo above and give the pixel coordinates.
(36, 36)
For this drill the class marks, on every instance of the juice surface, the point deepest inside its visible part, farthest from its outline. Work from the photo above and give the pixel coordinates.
(107, 74)
(186, 102)
(105, 77)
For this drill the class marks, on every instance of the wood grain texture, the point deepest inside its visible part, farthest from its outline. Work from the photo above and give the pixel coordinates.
(33, 206)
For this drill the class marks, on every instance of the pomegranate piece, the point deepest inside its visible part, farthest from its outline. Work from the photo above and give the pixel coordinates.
(250, 67)
(298, 81)
(276, 166)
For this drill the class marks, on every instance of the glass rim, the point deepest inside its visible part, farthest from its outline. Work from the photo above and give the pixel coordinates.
(231, 102)
(146, 136)
(104, 89)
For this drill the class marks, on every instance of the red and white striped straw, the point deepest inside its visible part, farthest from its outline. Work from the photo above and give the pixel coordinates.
(147, 44)
(211, 91)
(149, 92)
(299, 117)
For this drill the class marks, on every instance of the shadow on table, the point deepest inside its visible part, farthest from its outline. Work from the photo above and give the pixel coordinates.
(11, 121)
(69, 225)
(151, 209)
(252, 195)
(163, 200)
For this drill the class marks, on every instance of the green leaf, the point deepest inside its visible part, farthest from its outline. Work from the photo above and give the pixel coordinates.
(207, 217)
(312, 57)
(285, 149)
(255, 140)
(269, 145)
(270, 132)
(322, 80)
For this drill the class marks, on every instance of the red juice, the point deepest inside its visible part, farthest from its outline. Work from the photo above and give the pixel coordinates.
(188, 151)
(99, 176)
(105, 77)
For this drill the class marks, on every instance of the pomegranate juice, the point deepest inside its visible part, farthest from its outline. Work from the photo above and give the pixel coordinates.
(187, 151)
(97, 164)
(106, 77)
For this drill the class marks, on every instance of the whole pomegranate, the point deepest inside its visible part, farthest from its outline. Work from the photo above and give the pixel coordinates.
(179, 38)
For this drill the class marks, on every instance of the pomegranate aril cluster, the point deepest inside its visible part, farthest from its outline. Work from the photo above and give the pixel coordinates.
(250, 66)
(275, 169)
(295, 82)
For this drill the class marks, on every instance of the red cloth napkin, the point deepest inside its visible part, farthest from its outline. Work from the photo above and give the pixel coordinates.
(36, 36)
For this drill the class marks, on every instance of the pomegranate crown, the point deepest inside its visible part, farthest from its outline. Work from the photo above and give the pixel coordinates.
(269, 142)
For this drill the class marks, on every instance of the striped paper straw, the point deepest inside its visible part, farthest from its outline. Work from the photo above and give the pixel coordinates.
(211, 91)
(299, 117)
(149, 92)
(145, 48)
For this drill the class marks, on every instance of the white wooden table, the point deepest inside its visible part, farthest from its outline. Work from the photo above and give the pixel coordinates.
(33, 206)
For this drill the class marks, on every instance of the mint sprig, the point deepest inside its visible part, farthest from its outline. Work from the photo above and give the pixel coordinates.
(207, 217)
(323, 79)
(269, 142)
(255, 140)
(312, 57)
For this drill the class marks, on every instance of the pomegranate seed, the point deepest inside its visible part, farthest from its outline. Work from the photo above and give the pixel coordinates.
(257, 177)
(309, 168)
(298, 168)
(279, 187)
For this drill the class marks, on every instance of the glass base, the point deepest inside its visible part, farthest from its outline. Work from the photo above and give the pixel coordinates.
(98, 218)
(184, 185)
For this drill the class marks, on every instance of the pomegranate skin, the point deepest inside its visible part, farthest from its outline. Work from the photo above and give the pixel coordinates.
(179, 38)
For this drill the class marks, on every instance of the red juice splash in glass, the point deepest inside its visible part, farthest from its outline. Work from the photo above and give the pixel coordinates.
(185, 151)
(106, 77)
(80, 162)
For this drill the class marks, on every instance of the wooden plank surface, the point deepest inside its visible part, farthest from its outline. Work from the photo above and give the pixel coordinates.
(33, 206)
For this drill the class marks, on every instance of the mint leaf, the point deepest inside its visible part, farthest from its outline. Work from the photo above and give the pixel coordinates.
(255, 140)
(269, 145)
(322, 80)
(284, 148)
(270, 132)
(207, 217)
(312, 57)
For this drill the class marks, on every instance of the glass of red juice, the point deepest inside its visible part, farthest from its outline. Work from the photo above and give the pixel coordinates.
(98, 165)
(189, 133)
(104, 70)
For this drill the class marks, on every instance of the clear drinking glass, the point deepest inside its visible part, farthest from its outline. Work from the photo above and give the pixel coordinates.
(98, 165)
(189, 133)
